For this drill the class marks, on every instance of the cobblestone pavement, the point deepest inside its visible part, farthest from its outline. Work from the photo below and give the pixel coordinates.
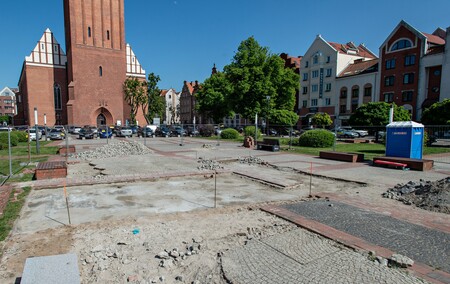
(302, 257)
(430, 247)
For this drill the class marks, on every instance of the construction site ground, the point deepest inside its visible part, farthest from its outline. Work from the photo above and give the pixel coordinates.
(125, 212)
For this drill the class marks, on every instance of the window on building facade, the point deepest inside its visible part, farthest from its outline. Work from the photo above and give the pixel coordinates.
(328, 59)
(329, 71)
(410, 60)
(368, 91)
(305, 90)
(407, 96)
(327, 101)
(100, 71)
(355, 92)
(314, 88)
(315, 59)
(389, 97)
(389, 81)
(315, 74)
(305, 103)
(306, 64)
(328, 87)
(107, 35)
(305, 76)
(43, 47)
(314, 102)
(57, 96)
(408, 78)
(89, 32)
(343, 93)
(342, 109)
(401, 44)
(390, 63)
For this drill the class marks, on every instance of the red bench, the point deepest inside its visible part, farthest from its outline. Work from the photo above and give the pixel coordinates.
(389, 163)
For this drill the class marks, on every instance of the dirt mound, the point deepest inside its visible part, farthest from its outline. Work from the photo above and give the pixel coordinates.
(428, 195)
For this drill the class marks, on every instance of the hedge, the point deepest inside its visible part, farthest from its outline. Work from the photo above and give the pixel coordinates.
(229, 133)
(319, 138)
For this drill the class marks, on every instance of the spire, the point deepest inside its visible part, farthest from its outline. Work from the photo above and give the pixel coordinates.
(214, 69)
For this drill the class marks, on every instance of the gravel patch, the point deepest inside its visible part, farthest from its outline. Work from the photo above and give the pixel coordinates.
(114, 149)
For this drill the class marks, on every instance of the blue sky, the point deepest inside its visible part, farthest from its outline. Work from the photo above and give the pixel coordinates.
(182, 39)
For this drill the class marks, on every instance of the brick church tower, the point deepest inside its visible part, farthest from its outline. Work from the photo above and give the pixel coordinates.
(96, 56)
(84, 85)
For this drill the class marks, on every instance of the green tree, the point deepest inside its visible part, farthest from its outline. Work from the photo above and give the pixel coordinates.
(437, 114)
(377, 114)
(156, 103)
(134, 91)
(256, 75)
(212, 97)
(283, 117)
(323, 119)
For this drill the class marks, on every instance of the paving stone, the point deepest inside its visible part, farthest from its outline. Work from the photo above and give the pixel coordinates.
(51, 270)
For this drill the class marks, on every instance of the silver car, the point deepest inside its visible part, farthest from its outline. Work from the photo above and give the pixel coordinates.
(126, 132)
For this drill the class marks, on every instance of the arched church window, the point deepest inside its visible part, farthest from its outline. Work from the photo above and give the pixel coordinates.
(57, 96)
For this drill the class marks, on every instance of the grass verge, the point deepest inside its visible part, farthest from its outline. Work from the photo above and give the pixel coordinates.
(12, 212)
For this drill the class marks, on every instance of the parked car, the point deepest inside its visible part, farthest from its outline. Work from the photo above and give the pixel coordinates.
(163, 131)
(135, 128)
(347, 134)
(60, 127)
(145, 132)
(87, 132)
(191, 131)
(56, 134)
(32, 136)
(442, 134)
(125, 131)
(178, 131)
(361, 133)
(105, 132)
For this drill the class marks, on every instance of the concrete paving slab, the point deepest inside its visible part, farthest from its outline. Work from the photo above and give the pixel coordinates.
(54, 269)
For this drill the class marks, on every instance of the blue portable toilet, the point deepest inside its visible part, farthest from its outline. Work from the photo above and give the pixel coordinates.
(404, 139)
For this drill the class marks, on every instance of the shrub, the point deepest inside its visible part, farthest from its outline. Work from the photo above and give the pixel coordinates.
(206, 130)
(229, 133)
(22, 136)
(250, 131)
(4, 139)
(316, 138)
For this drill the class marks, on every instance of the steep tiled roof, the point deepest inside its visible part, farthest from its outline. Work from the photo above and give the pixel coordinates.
(351, 49)
(434, 39)
(164, 93)
(291, 62)
(360, 67)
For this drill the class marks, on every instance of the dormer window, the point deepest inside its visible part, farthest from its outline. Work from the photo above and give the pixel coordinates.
(401, 44)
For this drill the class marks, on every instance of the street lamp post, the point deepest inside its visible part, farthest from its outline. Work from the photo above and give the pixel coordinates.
(37, 130)
(267, 115)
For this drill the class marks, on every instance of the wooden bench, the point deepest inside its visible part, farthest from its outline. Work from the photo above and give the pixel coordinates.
(389, 163)
(342, 156)
(49, 170)
(413, 164)
(269, 144)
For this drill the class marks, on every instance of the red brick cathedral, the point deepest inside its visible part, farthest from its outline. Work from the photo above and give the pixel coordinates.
(84, 85)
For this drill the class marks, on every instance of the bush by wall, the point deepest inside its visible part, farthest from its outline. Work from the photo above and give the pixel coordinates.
(4, 139)
(316, 138)
(229, 133)
(21, 135)
(250, 131)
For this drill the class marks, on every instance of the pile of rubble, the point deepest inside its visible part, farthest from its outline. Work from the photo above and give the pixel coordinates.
(251, 160)
(209, 165)
(114, 149)
(429, 195)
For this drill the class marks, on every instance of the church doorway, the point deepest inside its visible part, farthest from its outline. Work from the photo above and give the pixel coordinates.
(101, 120)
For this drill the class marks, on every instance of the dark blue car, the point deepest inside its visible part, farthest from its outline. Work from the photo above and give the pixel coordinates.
(105, 133)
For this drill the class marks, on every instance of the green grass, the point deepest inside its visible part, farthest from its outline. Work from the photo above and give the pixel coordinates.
(20, 154)
(12, 212)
